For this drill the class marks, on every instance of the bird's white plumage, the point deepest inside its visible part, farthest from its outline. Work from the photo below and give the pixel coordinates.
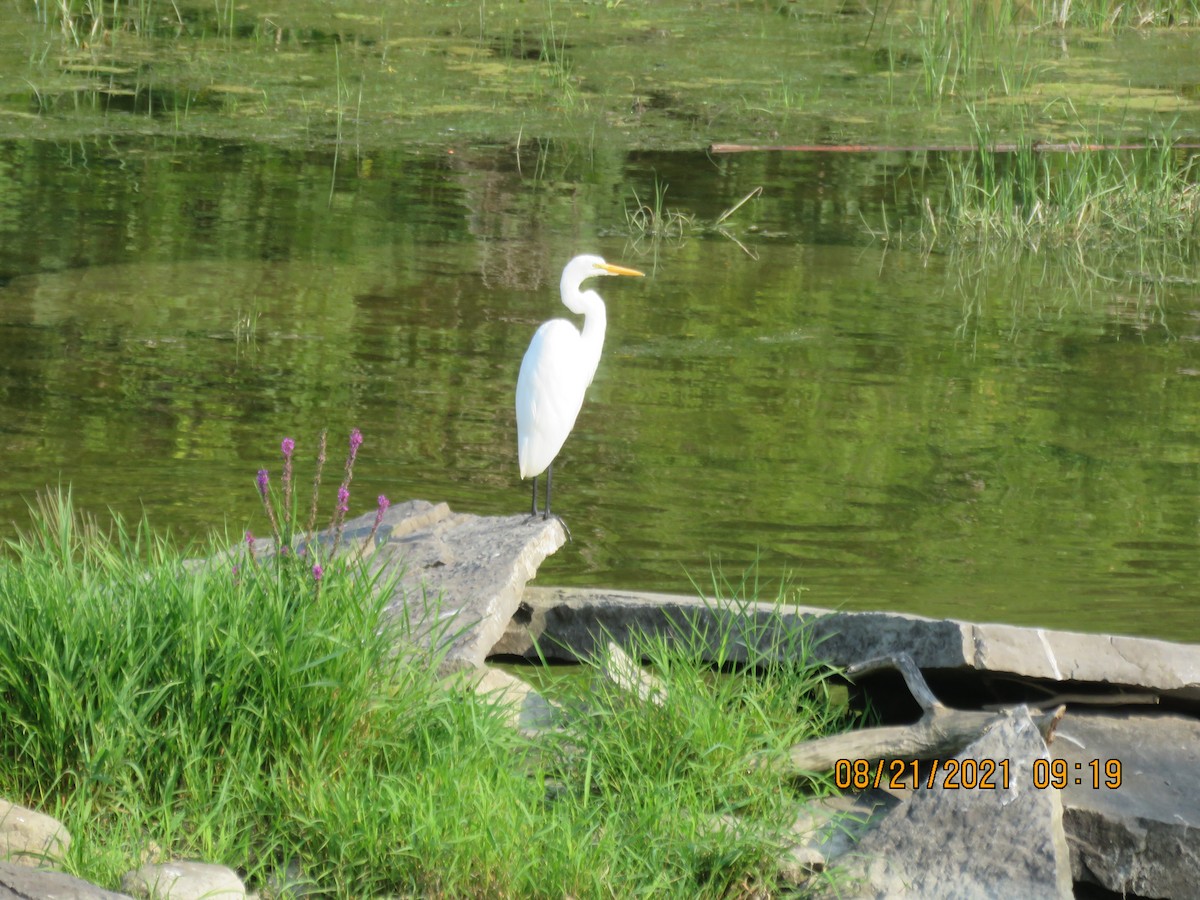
(550, 393)
(559, 366)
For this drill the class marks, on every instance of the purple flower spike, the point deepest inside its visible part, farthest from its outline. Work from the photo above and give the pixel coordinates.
(317, 572)
(264, 479)
(287, 448)
(384, 503)
(356, 440)
(343, 499)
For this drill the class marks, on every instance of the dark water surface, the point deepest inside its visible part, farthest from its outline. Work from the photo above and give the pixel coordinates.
(997, 437)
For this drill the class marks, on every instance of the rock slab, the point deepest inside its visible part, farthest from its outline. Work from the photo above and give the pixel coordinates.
(1133, 800)
(460, 576)
(18, 882)
(31, 837)
(184, 880)
(971, 843)
(576, 623)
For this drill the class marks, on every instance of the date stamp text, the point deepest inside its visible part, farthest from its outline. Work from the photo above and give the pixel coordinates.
(972, 774)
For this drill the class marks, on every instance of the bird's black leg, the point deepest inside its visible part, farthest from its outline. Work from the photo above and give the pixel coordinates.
(546, 514)
(549, 515)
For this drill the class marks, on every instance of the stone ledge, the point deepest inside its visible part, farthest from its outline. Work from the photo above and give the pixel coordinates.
(460, 576)
(571, 623)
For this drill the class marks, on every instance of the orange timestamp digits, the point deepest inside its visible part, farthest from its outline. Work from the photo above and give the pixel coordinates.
(972, 774)
(1095, 773)
(898, 774)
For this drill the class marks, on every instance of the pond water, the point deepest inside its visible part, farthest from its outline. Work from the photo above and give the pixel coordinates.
(991, 438)
(220, 227)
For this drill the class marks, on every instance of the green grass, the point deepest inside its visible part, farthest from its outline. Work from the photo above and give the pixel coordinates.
(1102, 15)
(654, 219)
(995, 52)
(1099, 203)
(1111, 201)
(259, 718)
(676, 776)
(972, 52)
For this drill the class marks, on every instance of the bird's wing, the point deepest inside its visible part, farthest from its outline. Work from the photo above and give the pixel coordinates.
(550, 391)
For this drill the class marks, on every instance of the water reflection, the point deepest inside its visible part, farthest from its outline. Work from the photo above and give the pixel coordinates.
(971, 436)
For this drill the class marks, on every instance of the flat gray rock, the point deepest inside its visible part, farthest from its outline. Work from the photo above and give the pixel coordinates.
(573, 624)
(18, 882)
(461, 576)
(184, 880)
(971, 843)
(1140, 835)
(31, 837)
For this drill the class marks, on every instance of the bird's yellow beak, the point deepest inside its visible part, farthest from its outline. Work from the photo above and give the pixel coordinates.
(610, 269)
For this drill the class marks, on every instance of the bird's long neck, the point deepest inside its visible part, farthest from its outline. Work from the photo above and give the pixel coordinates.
(595, 321)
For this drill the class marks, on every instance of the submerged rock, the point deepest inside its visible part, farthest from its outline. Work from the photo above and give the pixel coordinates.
(526, 709)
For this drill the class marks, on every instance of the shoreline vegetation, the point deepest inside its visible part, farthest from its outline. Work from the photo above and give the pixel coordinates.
(996, 81)
(903, 74)
(255, 716)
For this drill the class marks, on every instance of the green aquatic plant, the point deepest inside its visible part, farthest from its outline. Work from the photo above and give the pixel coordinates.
(1111, 200)
(972, 51)
(654, 219)
(554, 62)
(245, 326)
(1101, 15)
(88, 22)
(1097, 197)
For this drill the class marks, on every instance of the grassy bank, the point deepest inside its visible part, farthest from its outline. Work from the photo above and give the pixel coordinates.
(1104, 201)
(1094, 204)
(361, 77)
(256, 716)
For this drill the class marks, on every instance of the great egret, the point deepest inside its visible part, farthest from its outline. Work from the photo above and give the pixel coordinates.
(557, 369)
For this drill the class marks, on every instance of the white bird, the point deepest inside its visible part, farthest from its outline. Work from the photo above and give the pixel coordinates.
(556, 371)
